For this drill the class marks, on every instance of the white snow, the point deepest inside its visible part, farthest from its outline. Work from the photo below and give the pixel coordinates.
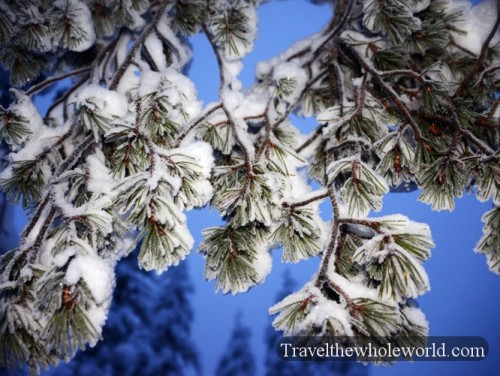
(96, 272)
(230, 72)
(109, 103)
(239, 47)
(97, 315)
(244, 138)
(291, 71)
(100, 179)
(182, 53)
(477, 21)
(80, 15)
(155, 48)
(263, 263)
(415, 316)
(201, 152)
(24, 107)
(61, 258)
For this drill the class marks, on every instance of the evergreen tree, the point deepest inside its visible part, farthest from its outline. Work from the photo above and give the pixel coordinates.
(402, 95)
(238, 359)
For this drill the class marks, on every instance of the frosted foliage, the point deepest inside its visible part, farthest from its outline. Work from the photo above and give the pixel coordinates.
(489, 244)
(154, 48)
(396, 96)
(98, 107)
(415, 316)
(95, 272)
(476, 22)
(178, 91)
(234, 27)
(80, 35)
(100, 180)
(199, 156)
(290, 80)
(109, 103)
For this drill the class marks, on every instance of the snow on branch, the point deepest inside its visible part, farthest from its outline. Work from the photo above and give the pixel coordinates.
(404, 95)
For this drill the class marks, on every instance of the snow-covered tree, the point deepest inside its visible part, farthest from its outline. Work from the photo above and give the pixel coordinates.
(238, 358)
(405, 96)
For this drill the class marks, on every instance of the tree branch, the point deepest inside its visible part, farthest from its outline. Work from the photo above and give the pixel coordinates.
(40, 86)
(329, 252)
(401, 106)
(222, 85)
(137, 44)
(482, 56)
(321, 194)
(197, 122)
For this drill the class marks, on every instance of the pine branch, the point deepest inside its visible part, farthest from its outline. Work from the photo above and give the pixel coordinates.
(65, 165)
(138, 44)
(318, 197)
(104, 54)
(341, 13)
(222, 86)
(486, 72)
(197, 122)
(42, 85)
(401, 106)
(326, 260)
(317, 133)
(292, 106)
(65, 96)
(482, 56)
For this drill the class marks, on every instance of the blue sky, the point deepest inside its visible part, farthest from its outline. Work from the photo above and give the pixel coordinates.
(464, 295)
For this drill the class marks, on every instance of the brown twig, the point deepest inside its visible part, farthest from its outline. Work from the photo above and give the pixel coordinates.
(482, 56)
(137, 44)
(318, 197)
(195, 123)
(49, 81)
(329, 252)
(401, 106)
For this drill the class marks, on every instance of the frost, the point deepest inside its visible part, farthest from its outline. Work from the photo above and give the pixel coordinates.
(95, 272)
(109, 104)
(80, 35)
(262, 264)
(415, 316)
(477, 21)
(290, 80)
(183, 53)
(155, 49)
(100, 180)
